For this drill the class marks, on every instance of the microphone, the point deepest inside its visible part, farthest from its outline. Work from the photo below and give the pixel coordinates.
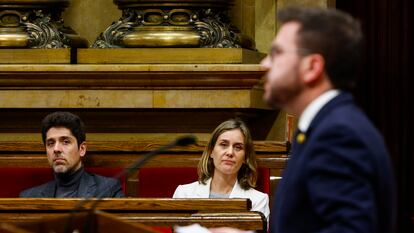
(181, 141)
(186, 140)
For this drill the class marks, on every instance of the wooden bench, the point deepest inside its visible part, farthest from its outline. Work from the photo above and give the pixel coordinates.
(158, 212)
(271, 156)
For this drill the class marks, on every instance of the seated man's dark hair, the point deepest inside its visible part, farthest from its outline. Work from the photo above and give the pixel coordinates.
(67, 120)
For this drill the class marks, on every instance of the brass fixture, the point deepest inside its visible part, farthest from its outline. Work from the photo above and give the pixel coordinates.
(36, 24)
(172, 23)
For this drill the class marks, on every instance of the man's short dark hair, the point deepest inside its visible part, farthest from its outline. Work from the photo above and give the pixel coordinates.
(67, 120)
(335, 35)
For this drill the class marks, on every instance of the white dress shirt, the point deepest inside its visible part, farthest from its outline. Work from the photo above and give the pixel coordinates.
(260, 201)
(313, 108)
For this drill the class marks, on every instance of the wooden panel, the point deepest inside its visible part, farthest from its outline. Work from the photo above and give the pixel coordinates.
(35, 56)
(143, 121)
(96, 221)
(124, 160)
(126, 204)
(122, 154)
(271, 147)
(149, 211)
(198, 76)
(168, 56)
(132, 99)
(168, 95)
(242, 220)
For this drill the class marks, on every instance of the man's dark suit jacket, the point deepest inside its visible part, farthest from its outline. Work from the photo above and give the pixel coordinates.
(339, 179)
(91, 185)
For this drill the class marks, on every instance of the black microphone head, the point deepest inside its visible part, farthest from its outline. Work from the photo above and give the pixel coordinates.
(186, 140)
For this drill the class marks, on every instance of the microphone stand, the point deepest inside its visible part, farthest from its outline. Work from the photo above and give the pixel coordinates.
(181, 141)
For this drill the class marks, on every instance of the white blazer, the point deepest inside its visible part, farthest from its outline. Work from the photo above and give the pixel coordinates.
(260, 201)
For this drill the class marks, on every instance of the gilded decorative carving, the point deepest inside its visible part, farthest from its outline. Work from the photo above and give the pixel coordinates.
(44, 33)
(36, 24)
(167, 23)
(214, 33)
(112, 36)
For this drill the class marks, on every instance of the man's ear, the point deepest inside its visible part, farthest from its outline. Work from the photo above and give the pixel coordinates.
(82, 149)
(312, 68)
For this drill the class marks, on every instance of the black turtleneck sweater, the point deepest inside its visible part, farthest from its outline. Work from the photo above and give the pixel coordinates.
(67, 184)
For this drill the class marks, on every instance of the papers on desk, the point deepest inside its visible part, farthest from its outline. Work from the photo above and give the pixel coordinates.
(194, 228)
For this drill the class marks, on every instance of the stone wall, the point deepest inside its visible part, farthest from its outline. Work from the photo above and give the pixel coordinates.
(91, 17)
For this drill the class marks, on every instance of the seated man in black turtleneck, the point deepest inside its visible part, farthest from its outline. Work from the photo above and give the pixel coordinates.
(64, 137)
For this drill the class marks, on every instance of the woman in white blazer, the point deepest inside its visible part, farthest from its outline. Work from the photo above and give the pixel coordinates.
(227, 168)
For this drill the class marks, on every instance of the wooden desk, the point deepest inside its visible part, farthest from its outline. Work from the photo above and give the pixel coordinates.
(149, 211)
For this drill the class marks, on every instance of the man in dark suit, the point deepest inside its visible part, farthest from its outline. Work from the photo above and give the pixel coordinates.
(64, 137)
(338, 177)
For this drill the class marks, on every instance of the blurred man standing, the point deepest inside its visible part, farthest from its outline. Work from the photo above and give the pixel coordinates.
(339, 177)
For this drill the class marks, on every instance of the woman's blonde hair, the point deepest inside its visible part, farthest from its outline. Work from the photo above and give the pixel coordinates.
(247, 175)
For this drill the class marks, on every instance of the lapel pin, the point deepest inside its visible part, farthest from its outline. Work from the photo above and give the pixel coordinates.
(300, 138)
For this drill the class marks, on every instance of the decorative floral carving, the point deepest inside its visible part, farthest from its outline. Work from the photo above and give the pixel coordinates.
(112, 36)
(45, 33)
(214, 33)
